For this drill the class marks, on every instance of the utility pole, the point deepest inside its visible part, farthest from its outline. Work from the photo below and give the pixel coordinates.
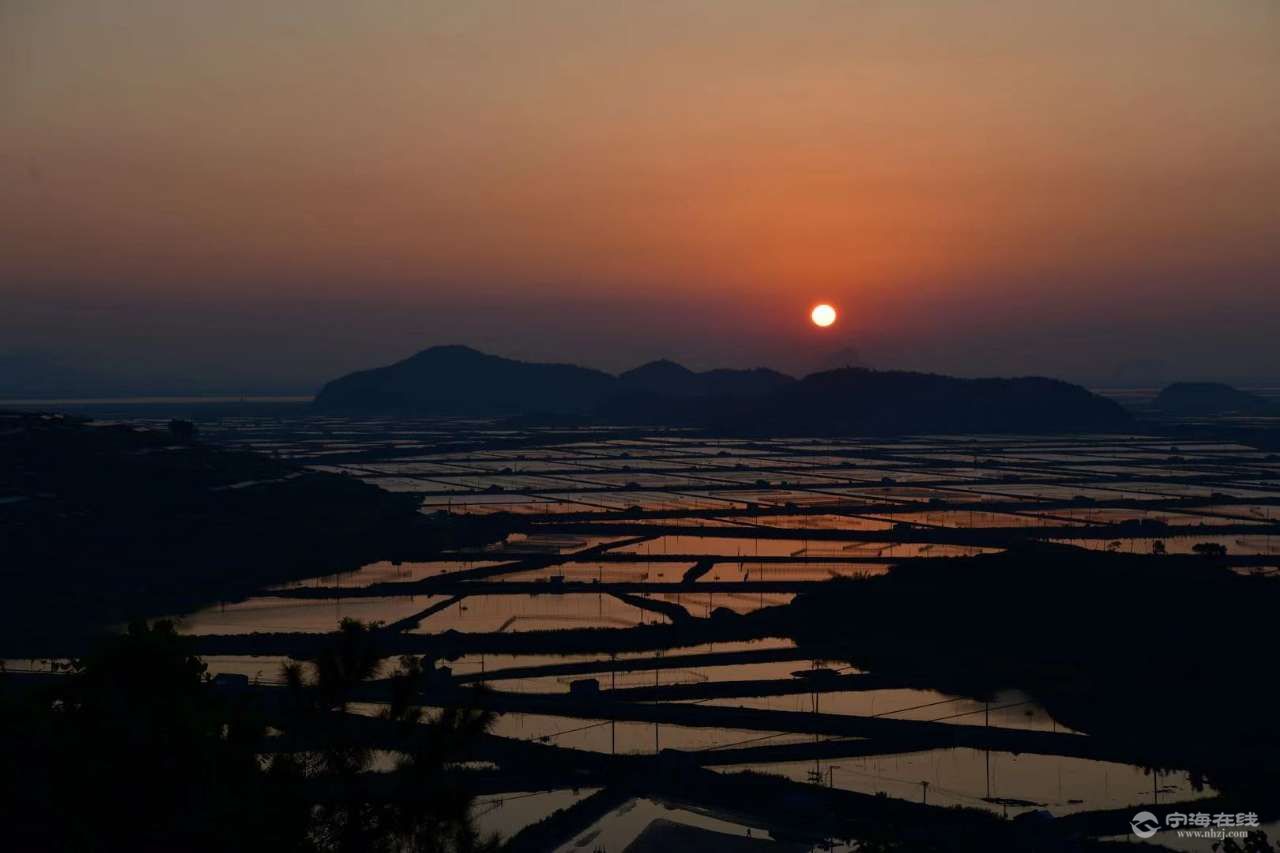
(655, 722)
(986, 718)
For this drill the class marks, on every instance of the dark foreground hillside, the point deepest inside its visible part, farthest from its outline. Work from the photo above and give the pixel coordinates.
(99, 524)
(1165, 654)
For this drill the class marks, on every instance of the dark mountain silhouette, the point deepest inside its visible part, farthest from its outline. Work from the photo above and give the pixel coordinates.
(856, 401)
(667, 378)
(744, 383)
(459, 380)
(1207, 398)
(662, 377)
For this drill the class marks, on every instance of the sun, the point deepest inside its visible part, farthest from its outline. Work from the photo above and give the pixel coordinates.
(823, 315)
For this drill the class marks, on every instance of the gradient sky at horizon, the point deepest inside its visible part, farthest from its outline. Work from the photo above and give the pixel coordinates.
(266, 194)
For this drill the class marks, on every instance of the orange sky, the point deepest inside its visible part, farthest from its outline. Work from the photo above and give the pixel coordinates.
(680, 178)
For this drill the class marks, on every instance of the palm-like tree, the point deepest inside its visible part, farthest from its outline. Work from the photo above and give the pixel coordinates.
(422, 809)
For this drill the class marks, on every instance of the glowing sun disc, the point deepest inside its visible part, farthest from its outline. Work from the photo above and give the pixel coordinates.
(822, 315)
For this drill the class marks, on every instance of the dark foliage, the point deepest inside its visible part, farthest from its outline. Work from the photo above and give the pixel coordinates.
(132, 750)
(136, 749)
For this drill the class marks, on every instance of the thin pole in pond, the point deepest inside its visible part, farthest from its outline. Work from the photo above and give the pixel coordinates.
(655, 722)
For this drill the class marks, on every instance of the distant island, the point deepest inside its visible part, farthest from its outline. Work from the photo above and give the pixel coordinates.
(458, 380)
(1208, 398)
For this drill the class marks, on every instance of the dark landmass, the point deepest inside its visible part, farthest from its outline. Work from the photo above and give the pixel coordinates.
(675, 380)
(868, 402)
(1208, 398)
(1167, 655)
(458, 380)
(100, 524)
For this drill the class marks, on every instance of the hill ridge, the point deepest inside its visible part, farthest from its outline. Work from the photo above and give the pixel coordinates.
(458, 380)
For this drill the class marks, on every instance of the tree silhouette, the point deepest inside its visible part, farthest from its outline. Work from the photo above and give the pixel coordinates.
(136, 745)
(422, 810)
(135, 748)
